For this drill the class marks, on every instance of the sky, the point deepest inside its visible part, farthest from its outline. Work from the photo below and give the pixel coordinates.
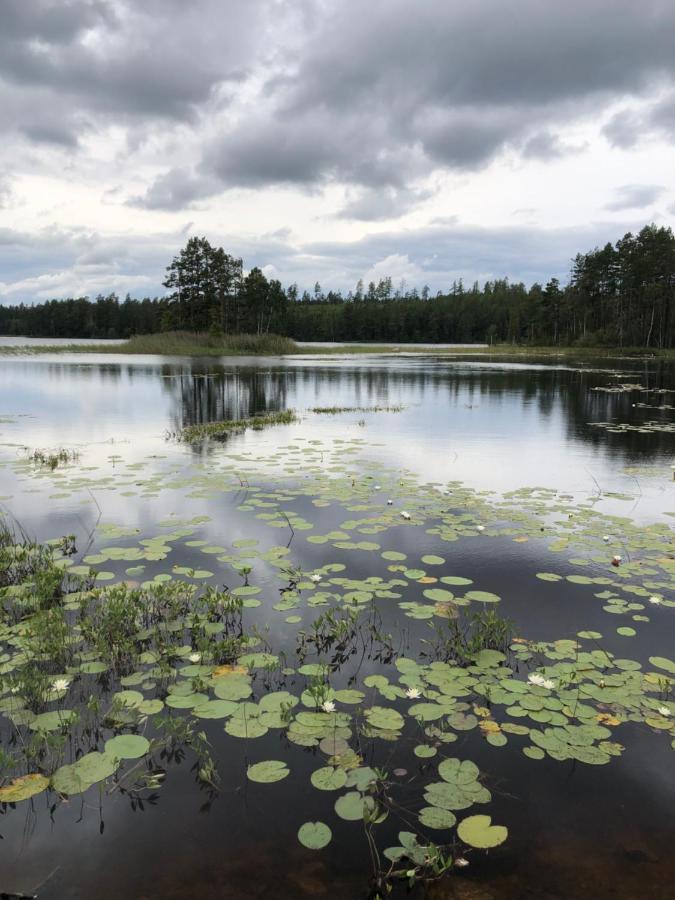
(328, 140)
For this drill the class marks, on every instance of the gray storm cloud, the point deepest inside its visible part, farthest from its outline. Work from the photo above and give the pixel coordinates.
(371, 99)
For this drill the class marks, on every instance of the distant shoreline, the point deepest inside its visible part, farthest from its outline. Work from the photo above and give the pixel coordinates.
(206, 345)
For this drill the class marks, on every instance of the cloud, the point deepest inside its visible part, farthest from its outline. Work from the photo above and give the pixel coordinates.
(117, 60)
(546, 146)
(632, 126)
(398, 267)
(6, 192)
(440, 254)
(415, 88)
(77, 262)
(635, 196)
(369, 108)
(377, 204)
(57, 262)
(176, 189)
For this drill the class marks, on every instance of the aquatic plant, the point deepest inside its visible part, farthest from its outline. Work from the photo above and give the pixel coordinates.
(104, 683)
(338, 410)
(52, 459)
(221, 430)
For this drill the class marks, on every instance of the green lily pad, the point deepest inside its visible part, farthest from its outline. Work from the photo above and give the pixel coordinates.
(127, 746)
(478, 831)
(329, 779)
(314, 835)
(267, 772)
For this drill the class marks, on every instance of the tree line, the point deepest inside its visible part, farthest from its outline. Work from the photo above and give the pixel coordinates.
(619, 295)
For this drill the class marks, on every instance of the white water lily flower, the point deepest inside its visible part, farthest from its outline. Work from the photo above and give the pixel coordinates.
(480, 527)
(61, 684)
(378, 487)
(390, 502)
(655, 599)
(616, 559)
(664, 711)
(328, 706)
(194, 657)
(316, 578)
(404, 514)
(460, 861)
(548, 683)
(413, 693)
(605, 538)
(536, 678)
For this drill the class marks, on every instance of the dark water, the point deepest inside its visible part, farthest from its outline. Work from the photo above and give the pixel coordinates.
(574, 830)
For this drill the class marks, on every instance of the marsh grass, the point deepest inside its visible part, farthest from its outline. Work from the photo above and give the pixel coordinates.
(52, 459)
(336, 410)
(461, 641)
(185, 343)
(222, 430)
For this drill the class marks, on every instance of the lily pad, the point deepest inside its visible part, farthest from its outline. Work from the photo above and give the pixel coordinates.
(127, 746)
(314, 835)
(267, 772)
(478, 831)
(23, 787)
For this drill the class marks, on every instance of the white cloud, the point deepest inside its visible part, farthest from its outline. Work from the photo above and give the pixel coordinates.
(399, 267)
(281, 128)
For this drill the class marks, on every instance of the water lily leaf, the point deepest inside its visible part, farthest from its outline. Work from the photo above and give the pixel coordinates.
(424, 751)
(435, 817)
(361, 778)
(455, 771)
(329, 779)
(51, 721)
(478, 831)
(384, 718)
(23, 787)
(215, 709)
(483, 596)
(267, 772)
(233, 687)
(350, 806)
(662, 663)
(314, 835)
(439, 595)
(127, 746)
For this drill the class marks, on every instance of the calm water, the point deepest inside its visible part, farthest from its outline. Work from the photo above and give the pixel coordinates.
(574, 830)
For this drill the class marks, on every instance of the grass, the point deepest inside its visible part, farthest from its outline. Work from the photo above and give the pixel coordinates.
(221, 430)
(176, 343)
(336, 410)
(499, 351)
(184, 343)
(52, 459)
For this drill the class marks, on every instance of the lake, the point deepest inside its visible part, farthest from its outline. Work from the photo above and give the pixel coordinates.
(420, 568)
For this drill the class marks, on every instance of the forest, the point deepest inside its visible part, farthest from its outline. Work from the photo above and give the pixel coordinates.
(619, 295)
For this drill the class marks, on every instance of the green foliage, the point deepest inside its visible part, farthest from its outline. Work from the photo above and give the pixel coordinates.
(618, 295)
(463, 640)
(221, 430)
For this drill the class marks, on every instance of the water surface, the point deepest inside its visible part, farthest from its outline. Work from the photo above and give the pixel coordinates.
(477, 429)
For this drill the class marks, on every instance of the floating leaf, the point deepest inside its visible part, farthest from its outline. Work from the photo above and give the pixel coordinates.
(350, 806)
(127, 746)
(267, 772)
(435, 817)
(314, 835)
(478, 831)
(22, 788)
(329, 779)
